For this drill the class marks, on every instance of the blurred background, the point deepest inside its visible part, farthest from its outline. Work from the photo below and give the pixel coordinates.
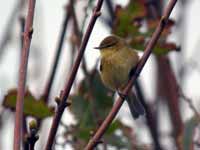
(168, 85)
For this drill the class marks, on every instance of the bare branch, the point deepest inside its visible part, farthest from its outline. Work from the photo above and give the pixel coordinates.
(22, 74)
(189, 101)
(170, 92)
(150, 117)
(66, 91)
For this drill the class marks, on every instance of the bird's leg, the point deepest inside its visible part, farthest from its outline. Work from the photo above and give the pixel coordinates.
(123, 96)
(133, 71)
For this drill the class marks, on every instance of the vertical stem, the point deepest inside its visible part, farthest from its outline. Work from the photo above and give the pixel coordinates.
(150, 117)
(22, 75)
(22, 23)
(109, 5)
(170, 92)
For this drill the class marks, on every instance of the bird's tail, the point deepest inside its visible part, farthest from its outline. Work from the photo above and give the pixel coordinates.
(135, 106)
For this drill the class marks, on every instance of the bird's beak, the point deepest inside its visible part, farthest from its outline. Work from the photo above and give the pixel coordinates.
(98, 48)
(101, 47)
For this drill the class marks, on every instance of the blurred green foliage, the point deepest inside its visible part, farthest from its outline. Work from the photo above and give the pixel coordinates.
(32, 106)
(132, 18)
(90, 105)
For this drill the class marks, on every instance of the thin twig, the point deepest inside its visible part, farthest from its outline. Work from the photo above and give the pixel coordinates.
(66, 91)
(78, 35)
(150, 117)
(189, 101)
(89, 4)
(22, 25)
(49, 83)
(22, 75)
(153, 7)
(110, 9)
(92, 143)
(7, 32)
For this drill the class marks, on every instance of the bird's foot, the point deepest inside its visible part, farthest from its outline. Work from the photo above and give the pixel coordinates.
(123, 96)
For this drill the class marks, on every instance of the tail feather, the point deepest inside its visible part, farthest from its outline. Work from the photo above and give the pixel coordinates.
(132, 109)
(135, 106)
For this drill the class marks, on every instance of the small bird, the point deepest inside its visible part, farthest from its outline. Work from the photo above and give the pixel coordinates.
(118, 62)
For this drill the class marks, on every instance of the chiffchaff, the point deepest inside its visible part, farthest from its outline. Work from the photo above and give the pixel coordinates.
(118, 62)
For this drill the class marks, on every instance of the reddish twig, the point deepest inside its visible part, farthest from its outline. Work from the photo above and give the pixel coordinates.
(168, 86)
(150, 117)
(66, 91)
(154, 11)
(22, 25)
(92, 143)
(22, 75)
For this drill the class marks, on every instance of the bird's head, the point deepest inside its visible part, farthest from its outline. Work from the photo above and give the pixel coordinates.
(111, 43)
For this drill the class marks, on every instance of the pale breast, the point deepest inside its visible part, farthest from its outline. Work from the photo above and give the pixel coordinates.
(114, 74)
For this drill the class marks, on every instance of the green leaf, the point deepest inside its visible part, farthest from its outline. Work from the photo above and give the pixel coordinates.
(129, 21)
(32, 107)
(137, 8)
(91, 101)
(90, 105)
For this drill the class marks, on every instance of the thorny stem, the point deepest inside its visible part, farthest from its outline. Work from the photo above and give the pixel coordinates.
(93, 142)
(66, 91)
(58, 52)
(22, 75)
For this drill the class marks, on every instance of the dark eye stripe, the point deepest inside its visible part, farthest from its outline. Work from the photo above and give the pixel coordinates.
(108, 42)
(107, 45)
